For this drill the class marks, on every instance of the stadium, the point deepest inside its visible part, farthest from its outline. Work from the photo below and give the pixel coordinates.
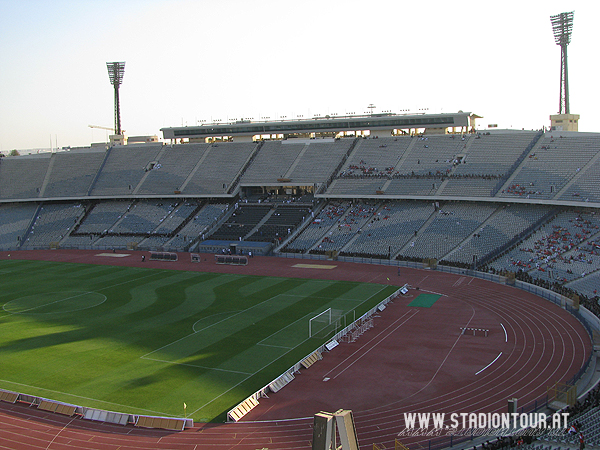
(240, 285)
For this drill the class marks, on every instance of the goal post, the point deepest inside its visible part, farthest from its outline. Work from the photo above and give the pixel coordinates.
(316, 323)
(325, 323)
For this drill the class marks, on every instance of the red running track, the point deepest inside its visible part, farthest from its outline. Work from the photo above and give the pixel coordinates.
(414, 360)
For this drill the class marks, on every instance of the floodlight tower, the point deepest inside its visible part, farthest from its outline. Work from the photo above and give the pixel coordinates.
(562, 25)
(115, 74)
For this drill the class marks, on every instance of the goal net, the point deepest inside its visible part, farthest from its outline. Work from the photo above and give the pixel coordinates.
(326, 323)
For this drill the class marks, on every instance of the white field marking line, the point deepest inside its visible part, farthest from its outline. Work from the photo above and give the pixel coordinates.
(72, 310)
(212, 315)
(101, 289)
(370, 280)
(51, 303)
(508, 311)
(326, 298)
(555, 331)
(375, 345)
(128, 281)
(444, 361)
(456, 398)
(236, 385)
(424, 278)
(470, 281)
(194, 365)
(210, 326)
(505, 333)
(281, 329)
(89, 398)
(311, 314)
(276, 346)
(495, 359)
(80, 309)
(243, 311)
(279, 357)
(259, 343)
(60, 431)
(236, 314)
(535, 369)
(85, 398)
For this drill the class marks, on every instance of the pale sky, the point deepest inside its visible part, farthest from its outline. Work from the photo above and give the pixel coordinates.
(188, 61)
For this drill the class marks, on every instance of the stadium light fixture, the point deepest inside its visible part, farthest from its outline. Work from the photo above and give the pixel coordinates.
(115, 74)
(562, 26)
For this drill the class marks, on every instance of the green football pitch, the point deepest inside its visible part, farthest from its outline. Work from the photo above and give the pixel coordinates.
(146, 341)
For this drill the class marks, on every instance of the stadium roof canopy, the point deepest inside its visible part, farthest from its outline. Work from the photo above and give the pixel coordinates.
(378, 124)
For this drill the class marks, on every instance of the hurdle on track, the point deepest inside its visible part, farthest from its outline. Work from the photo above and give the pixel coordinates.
(359, 330)
(474, 331)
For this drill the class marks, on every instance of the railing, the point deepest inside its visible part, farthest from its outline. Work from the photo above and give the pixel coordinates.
(586, 317)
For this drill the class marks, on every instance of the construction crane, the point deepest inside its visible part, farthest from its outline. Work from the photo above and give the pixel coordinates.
(102, 128)
(112, 130)
(105, 128)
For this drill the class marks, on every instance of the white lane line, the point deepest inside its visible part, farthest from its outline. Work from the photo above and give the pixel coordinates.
(495, 359)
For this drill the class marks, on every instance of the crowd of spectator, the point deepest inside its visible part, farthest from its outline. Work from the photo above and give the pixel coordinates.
(560, 248)
(437, 175)
(506, 442)
(592, 400)
(520, 190)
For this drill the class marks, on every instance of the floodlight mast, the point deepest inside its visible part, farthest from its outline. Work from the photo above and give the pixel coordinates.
(562, 26)
(115, 74)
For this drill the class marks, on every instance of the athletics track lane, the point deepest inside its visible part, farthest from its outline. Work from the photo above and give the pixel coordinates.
(545, 345)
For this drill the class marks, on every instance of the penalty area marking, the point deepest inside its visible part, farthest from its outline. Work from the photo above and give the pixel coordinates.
(246, 377)
(495, 359)
(276, 346)
(195, 365)
(212, 315)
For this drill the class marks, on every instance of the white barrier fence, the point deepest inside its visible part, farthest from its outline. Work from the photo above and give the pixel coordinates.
(242, 408)
(98, 415)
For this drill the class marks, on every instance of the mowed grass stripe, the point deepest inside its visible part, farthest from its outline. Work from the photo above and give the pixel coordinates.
(95, 354)
(235, 326)
(287, 335)
(270, 322)
(234, 334)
